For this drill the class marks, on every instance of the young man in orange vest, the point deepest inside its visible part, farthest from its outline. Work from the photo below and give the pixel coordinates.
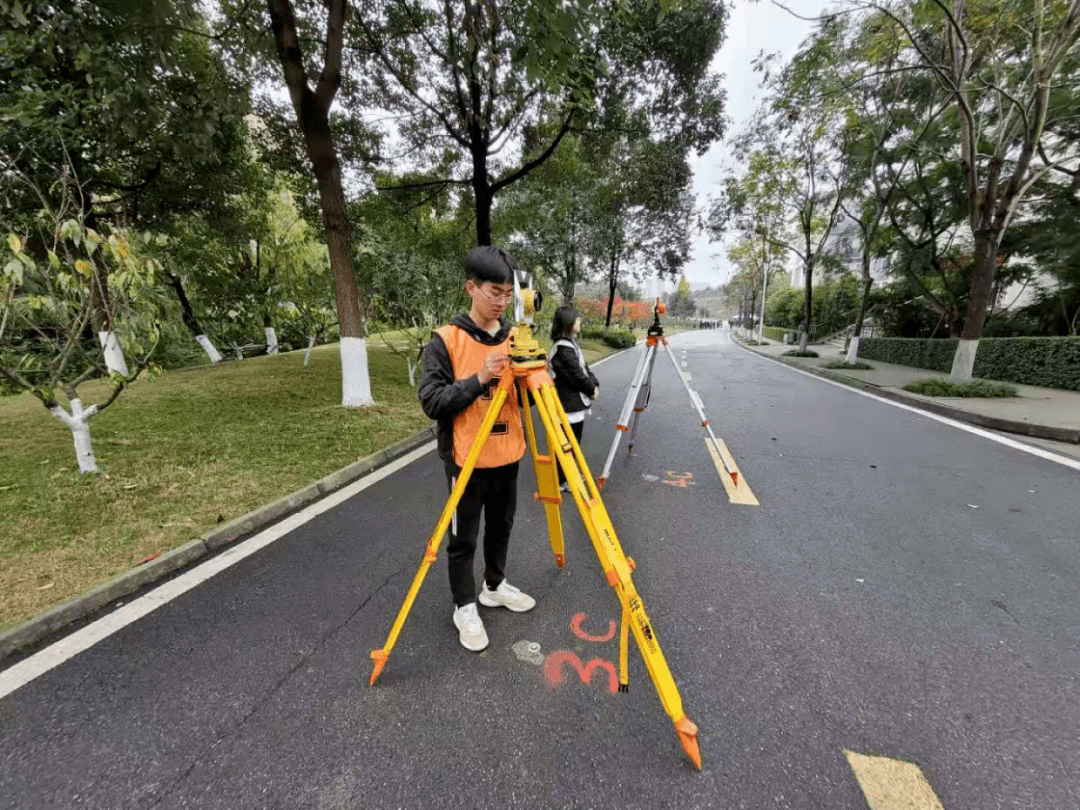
(462, 364)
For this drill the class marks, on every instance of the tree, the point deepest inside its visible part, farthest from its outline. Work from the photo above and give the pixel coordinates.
(312, 107)
(132, 99)
(544, 215)
(681, 304)
(503, 85)
(50, 294)
(638, 216)
(409, 258)
(1001, 67)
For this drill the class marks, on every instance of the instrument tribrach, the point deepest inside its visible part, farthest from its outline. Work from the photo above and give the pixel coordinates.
(528, 370)
(637, 400)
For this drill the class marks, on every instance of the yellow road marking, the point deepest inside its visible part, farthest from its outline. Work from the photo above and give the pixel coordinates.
(686, 374)
(740, 494)
(889, 784)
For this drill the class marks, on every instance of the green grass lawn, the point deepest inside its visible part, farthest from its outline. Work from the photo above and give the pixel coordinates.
(178, 455)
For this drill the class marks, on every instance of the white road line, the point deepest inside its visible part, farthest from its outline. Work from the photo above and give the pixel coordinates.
(68, 647)
(986, 434)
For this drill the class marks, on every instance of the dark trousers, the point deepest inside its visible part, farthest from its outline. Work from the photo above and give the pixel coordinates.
(492, 491)
(578, 428)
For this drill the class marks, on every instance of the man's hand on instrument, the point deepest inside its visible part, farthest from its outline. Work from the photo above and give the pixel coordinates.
(493, 366)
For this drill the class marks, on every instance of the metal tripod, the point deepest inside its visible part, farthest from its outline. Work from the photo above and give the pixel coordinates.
(637, 400)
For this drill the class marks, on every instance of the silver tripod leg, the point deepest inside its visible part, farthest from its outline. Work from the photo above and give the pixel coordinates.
(627, 410)
(642, 401)
(701, 413)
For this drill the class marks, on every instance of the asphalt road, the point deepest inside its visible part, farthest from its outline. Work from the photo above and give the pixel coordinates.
(905, 590)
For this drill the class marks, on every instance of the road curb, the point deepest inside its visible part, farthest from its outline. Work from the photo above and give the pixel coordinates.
(1029, 429)
(79, 607)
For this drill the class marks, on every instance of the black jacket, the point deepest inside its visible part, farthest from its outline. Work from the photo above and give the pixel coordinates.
(441, 396)
(571, 379)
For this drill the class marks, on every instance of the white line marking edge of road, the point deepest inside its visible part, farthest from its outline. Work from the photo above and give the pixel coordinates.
(71, 645)
(1047, 455)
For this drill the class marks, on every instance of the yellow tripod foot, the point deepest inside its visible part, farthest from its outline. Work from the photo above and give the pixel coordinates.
(687, 732)
(380, 658)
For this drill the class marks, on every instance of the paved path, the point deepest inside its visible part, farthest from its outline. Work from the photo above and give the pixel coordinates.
(905, 589)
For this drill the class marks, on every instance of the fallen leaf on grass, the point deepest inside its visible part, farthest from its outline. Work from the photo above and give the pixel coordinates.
(153, 556)
(129, 486)
(46, 587)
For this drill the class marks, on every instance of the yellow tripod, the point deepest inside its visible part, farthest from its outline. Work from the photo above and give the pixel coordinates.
(528, 370)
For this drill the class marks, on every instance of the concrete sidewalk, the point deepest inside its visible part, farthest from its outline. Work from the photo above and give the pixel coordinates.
(1045, 413)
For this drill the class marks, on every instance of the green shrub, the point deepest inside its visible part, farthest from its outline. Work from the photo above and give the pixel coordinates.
(755, 343)
(798, 353)
(933, 354)
(844, 364)
(935, 387)
(592, 332)
(776, 333)
(1051, 362)
(620, 339)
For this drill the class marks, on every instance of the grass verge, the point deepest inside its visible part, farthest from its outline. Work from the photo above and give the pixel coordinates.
(936, 387)
(845, 365)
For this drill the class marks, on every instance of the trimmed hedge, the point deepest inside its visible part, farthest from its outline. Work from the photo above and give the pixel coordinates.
(936, 355)
(620, 339)
(1050, 362)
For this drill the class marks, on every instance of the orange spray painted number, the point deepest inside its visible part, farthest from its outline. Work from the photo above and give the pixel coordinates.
(556, 662)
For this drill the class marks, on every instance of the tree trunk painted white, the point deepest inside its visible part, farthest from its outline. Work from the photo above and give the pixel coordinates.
(77, 422)
(208, 347)
(307, 354)
(355, 382)
(804, 341)
(963, 362)
(271, 340)
(412, 372)
(853, 349)
(114, 353)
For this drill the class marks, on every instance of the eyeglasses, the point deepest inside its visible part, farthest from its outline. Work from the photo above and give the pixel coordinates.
(498, 296)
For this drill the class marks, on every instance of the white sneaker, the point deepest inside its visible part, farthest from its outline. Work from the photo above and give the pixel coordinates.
(471, 630)
(507, 596)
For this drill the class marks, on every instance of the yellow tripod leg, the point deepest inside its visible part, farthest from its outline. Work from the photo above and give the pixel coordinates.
(380, 656)
(547, 482)
(615, 563)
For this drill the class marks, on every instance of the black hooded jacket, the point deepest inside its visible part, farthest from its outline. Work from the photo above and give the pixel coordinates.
(441, 395)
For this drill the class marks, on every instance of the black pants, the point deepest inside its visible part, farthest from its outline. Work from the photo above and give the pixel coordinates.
(578, 428)
(492, 491)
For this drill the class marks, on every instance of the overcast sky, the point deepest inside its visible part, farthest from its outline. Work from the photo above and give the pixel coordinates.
(751, 28)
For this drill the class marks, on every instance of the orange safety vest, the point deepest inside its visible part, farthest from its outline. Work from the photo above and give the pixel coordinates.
(506, 444)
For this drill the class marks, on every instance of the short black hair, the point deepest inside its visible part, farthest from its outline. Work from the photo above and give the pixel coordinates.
(488, 263)
(562, 322)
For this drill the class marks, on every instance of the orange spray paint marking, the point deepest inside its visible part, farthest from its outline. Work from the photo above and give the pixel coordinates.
(575, 625)
(553, 669)
(682, 480)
